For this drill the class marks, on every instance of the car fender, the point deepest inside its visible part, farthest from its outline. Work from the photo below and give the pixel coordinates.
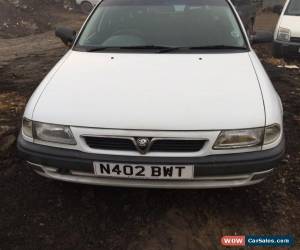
(272, 101)
(28, 113)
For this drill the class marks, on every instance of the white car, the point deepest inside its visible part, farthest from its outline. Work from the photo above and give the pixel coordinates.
(287, 33)
(163, 94)
(87, 5)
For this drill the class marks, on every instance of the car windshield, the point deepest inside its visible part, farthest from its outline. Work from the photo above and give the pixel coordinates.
(150, 24)
(294, 8)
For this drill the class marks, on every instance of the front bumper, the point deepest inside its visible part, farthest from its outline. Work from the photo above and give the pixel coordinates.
(214, 171)
(286, 49)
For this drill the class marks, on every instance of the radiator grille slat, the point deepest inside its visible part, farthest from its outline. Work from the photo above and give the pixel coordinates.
(158, 145)
(177, 146)
(110, 143)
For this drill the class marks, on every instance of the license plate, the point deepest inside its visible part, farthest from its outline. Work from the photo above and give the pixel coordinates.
(141, 171)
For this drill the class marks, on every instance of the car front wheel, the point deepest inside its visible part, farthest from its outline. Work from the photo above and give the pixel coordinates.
(276, 51)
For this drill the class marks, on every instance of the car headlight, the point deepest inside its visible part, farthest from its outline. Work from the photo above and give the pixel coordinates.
(48, 132)
(244, 138)
(284, 35)
(53, 133)
(272, 133)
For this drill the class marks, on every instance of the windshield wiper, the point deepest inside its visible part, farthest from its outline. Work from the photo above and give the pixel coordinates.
(216, 47)
(142, 47)
(166, 49)
(213, 47)
(94, 49)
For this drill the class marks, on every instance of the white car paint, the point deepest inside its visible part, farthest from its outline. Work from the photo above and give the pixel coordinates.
(220, 91)
(171, 95)
(288, 22)
(179, 86)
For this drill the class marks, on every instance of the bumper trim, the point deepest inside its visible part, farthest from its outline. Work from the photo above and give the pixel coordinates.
(212, 165)
(198, 183)
(286, 49)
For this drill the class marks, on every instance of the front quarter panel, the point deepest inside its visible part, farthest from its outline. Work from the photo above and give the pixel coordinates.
(272, 101)
(41, 87)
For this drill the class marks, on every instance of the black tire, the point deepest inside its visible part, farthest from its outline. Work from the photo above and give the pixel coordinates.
(86, 7)
(253, 19)
(276, 51)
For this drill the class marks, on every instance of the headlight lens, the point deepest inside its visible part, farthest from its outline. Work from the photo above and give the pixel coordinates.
(53, 133)
(272, 133)
(231, 139)
(284, 35)
(27, 127)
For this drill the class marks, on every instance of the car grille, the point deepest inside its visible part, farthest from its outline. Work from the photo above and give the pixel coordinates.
(157, 145)
(295, 39)
(110, 143)
(177, 145)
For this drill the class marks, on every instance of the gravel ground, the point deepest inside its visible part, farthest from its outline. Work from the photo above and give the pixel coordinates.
(37, 213)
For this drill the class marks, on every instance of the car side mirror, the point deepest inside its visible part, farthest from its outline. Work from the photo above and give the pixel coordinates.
(277, 9)
(66, 35)
(261, 37)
